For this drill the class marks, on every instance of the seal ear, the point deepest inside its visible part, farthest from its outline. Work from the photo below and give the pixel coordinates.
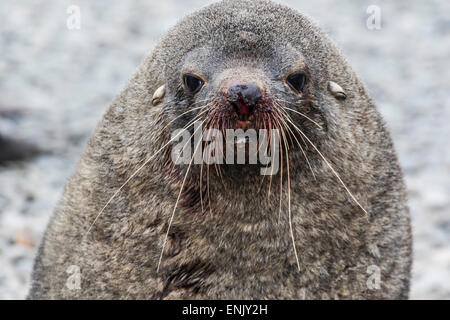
(336, 90)
(158, 95)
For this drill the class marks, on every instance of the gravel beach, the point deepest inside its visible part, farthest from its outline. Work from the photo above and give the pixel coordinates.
(56, 82)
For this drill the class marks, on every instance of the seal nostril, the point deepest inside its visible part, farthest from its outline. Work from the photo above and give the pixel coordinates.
(244, 97)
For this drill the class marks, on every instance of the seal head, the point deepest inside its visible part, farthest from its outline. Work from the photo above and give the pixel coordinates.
(332, 223)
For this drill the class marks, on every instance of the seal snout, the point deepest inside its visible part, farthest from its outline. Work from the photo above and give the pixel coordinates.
(244, 97)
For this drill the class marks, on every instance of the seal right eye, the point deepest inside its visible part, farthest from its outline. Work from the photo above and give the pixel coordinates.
(297, 81)
(192, 83)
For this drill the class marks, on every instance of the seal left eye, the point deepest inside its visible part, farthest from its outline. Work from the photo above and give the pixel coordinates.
(192, 83)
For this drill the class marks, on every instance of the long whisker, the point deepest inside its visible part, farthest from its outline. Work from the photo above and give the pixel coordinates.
(331, 168)
(206, 125)
(201, 186)
(207, 187)
(216, 125)
(201, 168)
(208, 194)
(269, 124)
(176, 203)
(259, 146)
(298, 142)
(131, 177)
(289, 204)
(303, 115)
(281, 176)
(296, 103)
(179, 116)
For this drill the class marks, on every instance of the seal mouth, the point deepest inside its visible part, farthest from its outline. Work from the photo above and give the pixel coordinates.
(243, 111)
(243, 121)
(241, 115)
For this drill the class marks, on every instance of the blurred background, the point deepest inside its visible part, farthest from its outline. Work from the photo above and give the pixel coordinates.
(57, 81)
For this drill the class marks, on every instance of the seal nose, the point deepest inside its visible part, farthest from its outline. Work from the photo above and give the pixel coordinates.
(244, 97)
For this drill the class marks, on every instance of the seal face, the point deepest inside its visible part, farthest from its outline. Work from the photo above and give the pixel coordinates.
(331, 223)
(247, 80)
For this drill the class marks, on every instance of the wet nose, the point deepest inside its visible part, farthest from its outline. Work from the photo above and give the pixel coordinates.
(244, 97)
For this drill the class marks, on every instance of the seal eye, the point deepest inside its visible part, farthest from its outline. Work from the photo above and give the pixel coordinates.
(297, 81)
(192, 83)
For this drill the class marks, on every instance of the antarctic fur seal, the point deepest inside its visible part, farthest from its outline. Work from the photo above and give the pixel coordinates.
(331, 224)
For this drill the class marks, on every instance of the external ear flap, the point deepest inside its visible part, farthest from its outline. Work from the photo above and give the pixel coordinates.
(336, 90)
(158, 95)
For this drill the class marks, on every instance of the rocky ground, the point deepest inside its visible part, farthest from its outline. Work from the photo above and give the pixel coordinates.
(55, 83)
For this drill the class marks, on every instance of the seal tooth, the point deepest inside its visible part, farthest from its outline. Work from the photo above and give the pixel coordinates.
(158, 95)
(336, 90)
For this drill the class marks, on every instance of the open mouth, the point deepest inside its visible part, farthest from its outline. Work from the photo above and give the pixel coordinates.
(243, 119)
(243, 111)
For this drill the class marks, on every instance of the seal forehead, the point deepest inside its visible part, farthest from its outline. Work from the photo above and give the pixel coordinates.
(253, 28)
(228, 27)
(238, 21)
